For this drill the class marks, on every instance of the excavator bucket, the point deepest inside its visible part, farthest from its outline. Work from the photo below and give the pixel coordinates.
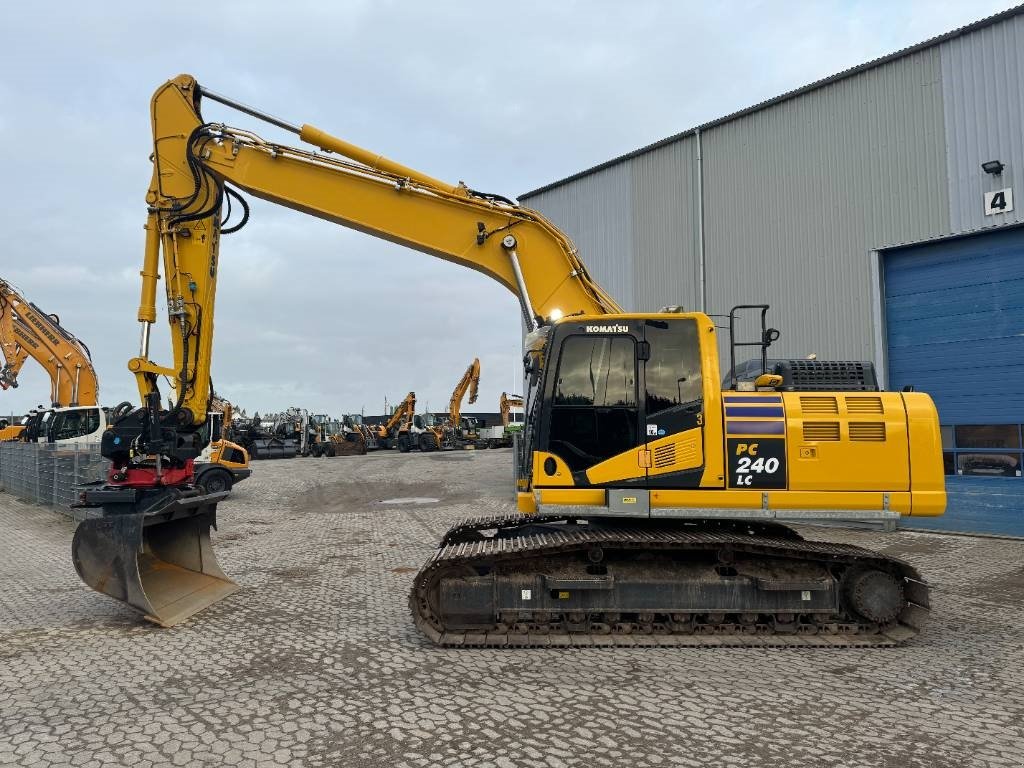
(159, 561)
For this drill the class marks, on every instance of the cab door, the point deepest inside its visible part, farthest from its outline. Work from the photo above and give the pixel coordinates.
(595, 427)
(673, 403)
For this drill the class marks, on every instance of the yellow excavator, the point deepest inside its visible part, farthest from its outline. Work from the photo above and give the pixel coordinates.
(454, 431)
(27, 331)
(388, 432)
(502, 435)
(652, 501)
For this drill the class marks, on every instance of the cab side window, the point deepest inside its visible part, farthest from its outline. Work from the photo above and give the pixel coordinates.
(672, 374)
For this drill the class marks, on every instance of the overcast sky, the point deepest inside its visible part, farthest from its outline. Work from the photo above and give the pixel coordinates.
(507, 97)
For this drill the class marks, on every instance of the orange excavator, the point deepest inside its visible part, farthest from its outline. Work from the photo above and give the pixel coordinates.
(398, 422)
(27, 331)
(501, 436)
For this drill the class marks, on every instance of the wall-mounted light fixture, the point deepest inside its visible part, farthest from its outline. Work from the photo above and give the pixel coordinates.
(992, 166)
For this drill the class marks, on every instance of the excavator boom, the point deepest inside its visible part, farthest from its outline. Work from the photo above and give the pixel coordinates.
(470, 382)
(25, 330)
(403, 412)
(506, 404)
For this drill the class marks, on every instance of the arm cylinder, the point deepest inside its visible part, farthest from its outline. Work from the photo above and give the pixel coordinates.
(324, 140)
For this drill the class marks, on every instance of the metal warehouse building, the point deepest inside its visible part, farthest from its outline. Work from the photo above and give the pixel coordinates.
(873, 210)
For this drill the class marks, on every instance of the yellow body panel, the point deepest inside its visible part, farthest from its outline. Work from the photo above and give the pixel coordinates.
(926, 471)
(628, 465)
(846, 441)
(590, 496)
(217, 454)
(526, 503)
(562, 475)
(675, 453)
(11, 433)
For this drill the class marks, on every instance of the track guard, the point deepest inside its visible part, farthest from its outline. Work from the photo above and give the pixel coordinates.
(151, 550)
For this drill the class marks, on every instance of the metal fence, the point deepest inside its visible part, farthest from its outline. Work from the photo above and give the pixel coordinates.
(48, 473)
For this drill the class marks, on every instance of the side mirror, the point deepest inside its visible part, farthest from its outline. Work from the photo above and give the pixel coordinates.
(768, 381)
(531, 363)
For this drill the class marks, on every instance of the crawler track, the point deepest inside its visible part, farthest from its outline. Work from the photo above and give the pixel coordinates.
(503, 554)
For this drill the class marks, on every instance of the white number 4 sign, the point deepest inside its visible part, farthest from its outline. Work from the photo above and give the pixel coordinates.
(1000, 201)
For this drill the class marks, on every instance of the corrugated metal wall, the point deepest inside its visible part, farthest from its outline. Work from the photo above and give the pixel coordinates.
(981, 84)
(799, 193)
(797, 196)
(663, 200)
(596, 212)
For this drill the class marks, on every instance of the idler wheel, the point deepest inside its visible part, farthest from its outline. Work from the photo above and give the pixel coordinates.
(875, 595)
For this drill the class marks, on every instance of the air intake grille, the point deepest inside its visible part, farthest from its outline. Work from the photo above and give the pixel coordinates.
(864, 405)
(819, 405)
(826, 376)
(665, 456)
(821, 430)
(869, 431)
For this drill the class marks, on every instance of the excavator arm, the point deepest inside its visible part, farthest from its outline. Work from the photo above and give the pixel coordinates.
(403, 411)
(470, 381)
(14, 352)
(506, 404)
(27, 330)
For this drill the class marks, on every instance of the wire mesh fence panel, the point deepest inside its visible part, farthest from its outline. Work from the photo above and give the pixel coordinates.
(50, 473)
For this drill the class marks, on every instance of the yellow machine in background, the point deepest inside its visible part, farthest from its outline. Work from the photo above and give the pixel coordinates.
(652, 497)
(75, 415)
(399, 421)
(27, 331)
(454, 431)
(511, 422)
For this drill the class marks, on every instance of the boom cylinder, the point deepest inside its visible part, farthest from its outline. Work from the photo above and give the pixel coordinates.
(150, 273)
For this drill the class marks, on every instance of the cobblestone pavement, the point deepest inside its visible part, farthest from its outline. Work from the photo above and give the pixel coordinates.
(315, 661)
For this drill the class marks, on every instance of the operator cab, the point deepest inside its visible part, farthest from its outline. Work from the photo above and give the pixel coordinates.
(75, 425)
(611, 383)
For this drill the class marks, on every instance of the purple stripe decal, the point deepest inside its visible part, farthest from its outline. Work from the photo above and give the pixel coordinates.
(767, 411)
(755, 427)
(752, 399)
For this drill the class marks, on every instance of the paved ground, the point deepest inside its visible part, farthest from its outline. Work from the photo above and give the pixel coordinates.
(316, 662)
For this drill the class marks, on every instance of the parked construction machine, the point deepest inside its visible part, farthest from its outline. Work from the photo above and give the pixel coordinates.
(357, 430)
(282, 435)
(75, 415)
(511, 409)
(651, 501)
(453, 431)
(401, 416)
(335, 437)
